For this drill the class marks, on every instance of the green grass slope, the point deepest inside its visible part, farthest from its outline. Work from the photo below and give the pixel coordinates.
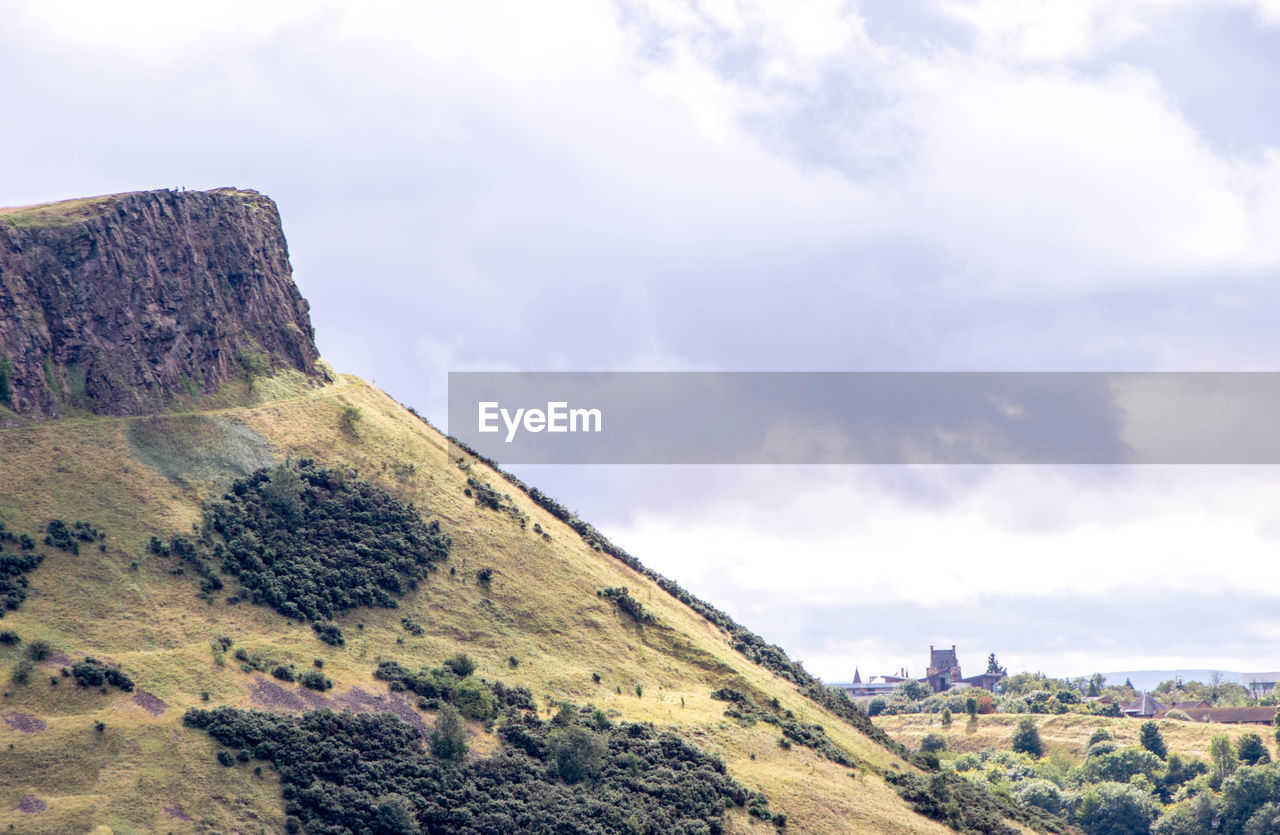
(78, 760)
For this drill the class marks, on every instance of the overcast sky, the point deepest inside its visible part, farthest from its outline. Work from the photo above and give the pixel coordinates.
(874, 185)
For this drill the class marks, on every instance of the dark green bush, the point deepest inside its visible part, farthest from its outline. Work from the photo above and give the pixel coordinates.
(1252, 750)
(449, 736)
(8, 638)
(341, 772)
(1151, 739)
(39, 650)
(93, 673)
(626, 603)
(329, 633)
(13, 583)
(315, 680)
(1026, 739)
(932, 743)
(461, 664)
(22, 671)
(312, 543)
(578, 752)
(283, 673)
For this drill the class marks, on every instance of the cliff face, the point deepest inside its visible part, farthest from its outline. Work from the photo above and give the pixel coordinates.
(118, 303)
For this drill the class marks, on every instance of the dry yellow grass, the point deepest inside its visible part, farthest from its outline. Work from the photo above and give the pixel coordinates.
(1066, 732)
(541, 608)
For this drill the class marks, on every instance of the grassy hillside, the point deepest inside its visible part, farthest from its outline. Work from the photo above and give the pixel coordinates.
(539, 622)
(1067, 733)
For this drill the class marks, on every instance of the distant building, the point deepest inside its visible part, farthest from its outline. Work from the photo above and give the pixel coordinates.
(942, 674)
(1260, 684)
(1143, 707)
(1195, 704)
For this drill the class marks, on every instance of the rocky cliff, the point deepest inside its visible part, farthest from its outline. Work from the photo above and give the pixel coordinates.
(116, 304)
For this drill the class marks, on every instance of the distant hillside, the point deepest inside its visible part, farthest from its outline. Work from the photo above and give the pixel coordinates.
(1151, 679)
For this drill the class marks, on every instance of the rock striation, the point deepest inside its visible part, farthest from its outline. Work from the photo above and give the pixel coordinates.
(116, 304)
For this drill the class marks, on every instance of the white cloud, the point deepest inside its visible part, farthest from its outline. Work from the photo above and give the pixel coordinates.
(789, 540)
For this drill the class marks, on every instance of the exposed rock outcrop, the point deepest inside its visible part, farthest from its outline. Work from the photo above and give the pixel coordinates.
(118, 303)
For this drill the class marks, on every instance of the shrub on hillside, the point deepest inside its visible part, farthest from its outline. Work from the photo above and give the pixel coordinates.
(22, 671)
(578, 752)
(1151, 739)
(329, 633)
(1042, 794)
(626, 603)
(641, 775)
(39, 650)
(449, 736)
(13, 583)
(316, 680)
(932, 743)
(461, 664)
(1252, 750)
(312, 543)
(93, 673)
(1114, 809)
(474, 699)
(1026, 739)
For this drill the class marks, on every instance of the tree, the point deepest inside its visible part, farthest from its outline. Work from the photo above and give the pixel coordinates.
(462, 664)
(946, 716)
(578, 753)
(1190, 817)
(1265, 821)
(1244, 793)
(283, 492)
(1222, 756)
(1153, 740)
(993, 666)
(1115, 809)
(395, 816)
(1100, 735)
(1096, 682)
(475, 700)
(449, 736)
(912, 691)
(971, 707)
(1043, 794)
(1026, 739)
(932, 743)
(1251, 750)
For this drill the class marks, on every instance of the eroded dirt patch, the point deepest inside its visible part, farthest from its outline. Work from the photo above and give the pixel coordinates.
(26, 723)
(358, 701)
(271, 695)
(175, 812)
(266, 693)
(31, 804)
(151, 704)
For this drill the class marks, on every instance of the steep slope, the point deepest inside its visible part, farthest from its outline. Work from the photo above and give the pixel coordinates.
(523, 591)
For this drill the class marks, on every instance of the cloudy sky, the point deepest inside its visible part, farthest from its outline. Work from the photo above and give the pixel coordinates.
(817, 186)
